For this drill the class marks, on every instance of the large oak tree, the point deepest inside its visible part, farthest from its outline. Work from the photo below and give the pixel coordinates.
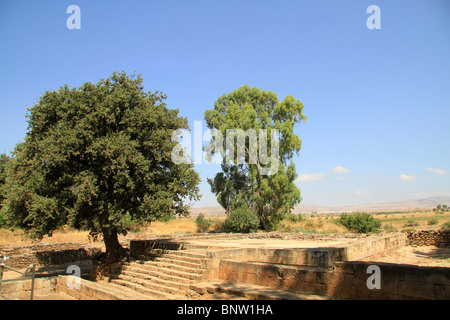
(93, 155)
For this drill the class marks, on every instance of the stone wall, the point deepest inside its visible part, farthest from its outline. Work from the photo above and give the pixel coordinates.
(56, 286)
(303, 279)
(439, 238)
(399, 282)
(346, 280)
(374, 246)
(48, 254)
(22, 289)
(318, 257)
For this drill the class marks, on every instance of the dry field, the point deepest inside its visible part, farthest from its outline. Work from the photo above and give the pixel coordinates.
(414, 220)
(318, 223)
(397, 221)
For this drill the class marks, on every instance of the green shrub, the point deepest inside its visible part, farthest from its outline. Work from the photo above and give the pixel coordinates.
(433, 221)
(446, 226)
(411, 223)
(130, 223)
(241, 220)
(293, 217)
(203, 224)
(360, 222)
(389, 228)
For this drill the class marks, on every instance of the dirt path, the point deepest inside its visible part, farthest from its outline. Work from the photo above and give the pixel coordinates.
(429, 256)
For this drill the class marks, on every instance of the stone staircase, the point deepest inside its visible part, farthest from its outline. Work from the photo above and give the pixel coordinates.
(178, 274)
(166, 275)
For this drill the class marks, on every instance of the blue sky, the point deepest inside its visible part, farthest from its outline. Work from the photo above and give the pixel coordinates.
(377, 101)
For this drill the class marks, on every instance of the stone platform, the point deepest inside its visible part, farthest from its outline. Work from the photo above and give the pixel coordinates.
(315, 250)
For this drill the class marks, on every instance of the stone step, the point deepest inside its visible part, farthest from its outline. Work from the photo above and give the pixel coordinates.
(97, 291)
(150, 285)
(252, 292)
(167, 275)
(167, 271)
(174, 266)
(124, 292)
(177, 260)
(179, 277)
(193, 253)
(183, 284)
(149, 293)
(179, 257)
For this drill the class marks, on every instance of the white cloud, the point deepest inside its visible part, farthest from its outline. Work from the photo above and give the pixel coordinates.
(339, 169)
(405, 177)
(340, 178)
(308, 177)
(437, 171)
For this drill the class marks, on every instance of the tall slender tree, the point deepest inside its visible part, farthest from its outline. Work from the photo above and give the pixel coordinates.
(260, 175)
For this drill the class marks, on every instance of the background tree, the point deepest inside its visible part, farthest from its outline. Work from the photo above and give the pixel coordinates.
(4, 160)
(94, 154)
(242, 181)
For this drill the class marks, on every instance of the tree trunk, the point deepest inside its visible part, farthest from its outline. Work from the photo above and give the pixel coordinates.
(114, 250)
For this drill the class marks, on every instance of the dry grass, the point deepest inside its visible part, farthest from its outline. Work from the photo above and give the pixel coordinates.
(419, 220)
(312, 225)
(18, 238)
(398, 221)
(12, 238)
(182, 225)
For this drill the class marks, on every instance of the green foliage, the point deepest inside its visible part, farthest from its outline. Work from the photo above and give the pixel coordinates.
(433, 221)
(446, 226)
(131, 224)
(203, 224)
(441, 209)
(241, 220)
(293, 217)
(360, 222)
(389, 228)
(242, 180)
(4, 160)
(411, 223)
(94, 154)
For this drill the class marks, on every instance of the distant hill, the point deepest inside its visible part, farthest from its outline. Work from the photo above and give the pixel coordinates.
(421, 204)
(207, 211)
(427, 203)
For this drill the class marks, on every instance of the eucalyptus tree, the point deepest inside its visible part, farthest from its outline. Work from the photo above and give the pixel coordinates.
(254, 134)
